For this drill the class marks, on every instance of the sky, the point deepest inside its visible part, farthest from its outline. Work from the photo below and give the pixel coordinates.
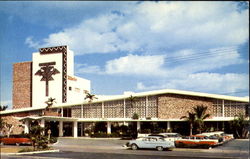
(134, 46)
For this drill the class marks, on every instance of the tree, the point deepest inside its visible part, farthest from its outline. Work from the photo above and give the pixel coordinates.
(50, 102)
(36, 135)
(9, 128)
(191, 120)
(240, 126)
(200, 115)
(2, 125)
(89, 96)
(197, 117)
(132, 100)
(3, 107)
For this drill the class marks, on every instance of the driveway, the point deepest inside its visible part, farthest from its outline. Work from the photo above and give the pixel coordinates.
(88, 148)
(233, 149)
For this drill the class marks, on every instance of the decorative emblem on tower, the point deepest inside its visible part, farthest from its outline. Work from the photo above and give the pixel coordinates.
(46, 71)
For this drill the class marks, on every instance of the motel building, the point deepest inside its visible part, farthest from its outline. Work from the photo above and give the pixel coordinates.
(51, 74)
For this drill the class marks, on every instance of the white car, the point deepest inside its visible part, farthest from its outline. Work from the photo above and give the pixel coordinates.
(171, 136)
(151, 142)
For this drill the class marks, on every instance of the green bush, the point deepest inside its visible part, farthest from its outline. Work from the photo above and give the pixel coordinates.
(105, 135)
(135, 116)
(53, 140)
(26, 150)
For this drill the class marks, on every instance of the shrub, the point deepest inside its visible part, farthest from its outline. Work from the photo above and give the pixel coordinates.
(26, 150)
(53, 140)
(135, 116)
(105, 135)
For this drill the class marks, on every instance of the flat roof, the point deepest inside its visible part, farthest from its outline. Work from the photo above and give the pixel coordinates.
(141, 94)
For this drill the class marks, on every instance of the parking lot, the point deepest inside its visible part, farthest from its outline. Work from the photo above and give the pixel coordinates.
(112, 148)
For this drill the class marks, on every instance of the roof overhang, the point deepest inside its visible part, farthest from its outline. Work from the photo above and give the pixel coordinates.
(69, 119)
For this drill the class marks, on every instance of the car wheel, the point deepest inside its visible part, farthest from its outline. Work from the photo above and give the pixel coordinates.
(159, 148)
(1, 143)
(17, 144)
(134, 147)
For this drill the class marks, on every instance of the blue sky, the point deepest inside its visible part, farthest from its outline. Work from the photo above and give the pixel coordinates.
(134, 46)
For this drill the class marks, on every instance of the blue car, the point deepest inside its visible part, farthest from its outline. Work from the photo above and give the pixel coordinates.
(151, 142)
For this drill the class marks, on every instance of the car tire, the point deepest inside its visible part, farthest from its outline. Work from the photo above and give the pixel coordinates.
(17, 144)
(134, 147)
(159, 148)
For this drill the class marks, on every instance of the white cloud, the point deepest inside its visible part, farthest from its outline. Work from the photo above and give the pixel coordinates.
(84, 68)
(29, 41)
(150, 65)
(181, 64)
(204, 82)
(157, 26)
(137, 65)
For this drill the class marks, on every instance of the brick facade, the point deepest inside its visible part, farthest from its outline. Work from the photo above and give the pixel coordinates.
(22, 85)
(175, 106)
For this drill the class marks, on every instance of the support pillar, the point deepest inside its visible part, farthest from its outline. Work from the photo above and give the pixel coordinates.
(223, 108)
(146, 111)
(102, 109)
(108, 127)
(60, 128)
(168, 125)
(42, 124)
(75, 129)
(138, 126)
(26, 127)
(61, 112)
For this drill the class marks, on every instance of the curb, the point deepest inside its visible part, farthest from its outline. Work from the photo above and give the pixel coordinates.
(34, 152)
(94, 138)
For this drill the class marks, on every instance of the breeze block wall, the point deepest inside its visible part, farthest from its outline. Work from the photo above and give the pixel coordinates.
(22, 85)
(172, 106)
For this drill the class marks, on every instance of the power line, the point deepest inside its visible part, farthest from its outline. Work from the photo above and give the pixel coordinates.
(200, 55)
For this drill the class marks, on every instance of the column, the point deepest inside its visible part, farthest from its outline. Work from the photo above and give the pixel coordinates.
(223, 109)
(146, 111)
(60, 128)
(108, 127)
(61, 112)
(82, 111)
(124, 108)
(138, 125)
(26, 127)
(42, 124)
(75, 129)
(168, 125)
(102, 109)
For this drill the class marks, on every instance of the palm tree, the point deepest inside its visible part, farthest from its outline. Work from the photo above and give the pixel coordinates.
(89, 96)
(200, 115)
(191, 120)
(50, 102)
(3, 107)
(132, 100)
(240, 125)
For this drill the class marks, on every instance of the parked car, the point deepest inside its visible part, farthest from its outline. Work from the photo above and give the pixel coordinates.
(15, 139)
(220, 134)
(171, 136)
(151, 142)
(200, 141)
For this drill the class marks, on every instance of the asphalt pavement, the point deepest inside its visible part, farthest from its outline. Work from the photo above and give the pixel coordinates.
(86, 148)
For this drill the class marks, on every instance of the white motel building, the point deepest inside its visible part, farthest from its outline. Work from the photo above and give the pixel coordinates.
(51, 74)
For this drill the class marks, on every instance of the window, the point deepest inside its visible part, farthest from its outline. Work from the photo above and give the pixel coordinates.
(70, 88)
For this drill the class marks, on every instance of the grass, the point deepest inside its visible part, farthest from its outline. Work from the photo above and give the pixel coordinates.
(12, 149)
(17, 149)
